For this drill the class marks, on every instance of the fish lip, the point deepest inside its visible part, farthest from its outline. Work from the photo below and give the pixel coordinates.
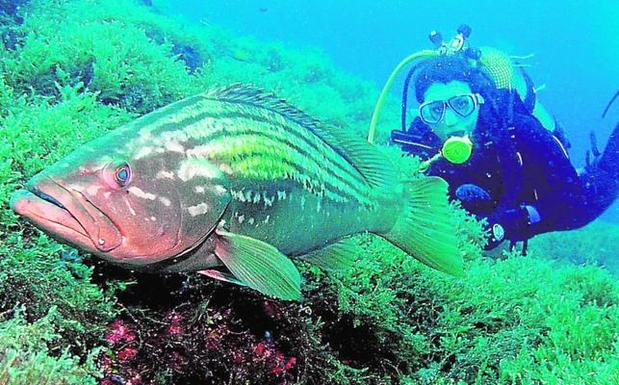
(67, 213)
(46, 197)
(59, 221)
(90, 217)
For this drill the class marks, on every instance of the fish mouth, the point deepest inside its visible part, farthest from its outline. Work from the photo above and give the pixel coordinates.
(66, 214)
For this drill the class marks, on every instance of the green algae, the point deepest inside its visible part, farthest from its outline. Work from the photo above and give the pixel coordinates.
(81, 68)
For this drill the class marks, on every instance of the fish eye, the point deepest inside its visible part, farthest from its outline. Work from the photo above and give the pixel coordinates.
(123, 175)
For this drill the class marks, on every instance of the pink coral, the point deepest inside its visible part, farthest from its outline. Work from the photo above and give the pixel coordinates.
(127, 354)
(273, 358)
(119, 332)
(176, 327)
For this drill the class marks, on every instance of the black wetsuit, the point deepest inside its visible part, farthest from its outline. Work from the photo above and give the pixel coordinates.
(520, 176)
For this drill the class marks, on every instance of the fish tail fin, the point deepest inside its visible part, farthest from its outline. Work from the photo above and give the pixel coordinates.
(426, 229)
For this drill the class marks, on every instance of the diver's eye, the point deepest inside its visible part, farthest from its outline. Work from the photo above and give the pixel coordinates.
(123, 175)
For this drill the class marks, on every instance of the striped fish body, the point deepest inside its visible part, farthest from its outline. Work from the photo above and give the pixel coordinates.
(288, 186)
(233, 177)
(285, 184)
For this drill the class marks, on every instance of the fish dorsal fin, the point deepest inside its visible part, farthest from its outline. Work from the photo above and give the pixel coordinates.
(374, 166)
(248, 94)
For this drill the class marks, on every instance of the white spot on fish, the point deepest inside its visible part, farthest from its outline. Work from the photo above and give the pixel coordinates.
(164, 175)
(165, 201)
(238, 195)
(200, 209)
(131, 210)
(174, 147)
(199, 151)
(153, 219)
(268, 201)
(250, 221)
(266, 220)
(144, 151)
(141, 194)
(241, 218)
(219, 189)
(101, 242)
(225, 168)
(189, 170)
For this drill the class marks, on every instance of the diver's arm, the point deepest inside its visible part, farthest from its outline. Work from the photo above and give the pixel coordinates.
(553, 211)
(418, 140)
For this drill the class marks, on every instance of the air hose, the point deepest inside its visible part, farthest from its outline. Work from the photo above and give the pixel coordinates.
(383, 94)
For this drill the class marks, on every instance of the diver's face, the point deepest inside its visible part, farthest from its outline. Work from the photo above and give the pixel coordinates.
(451, 123)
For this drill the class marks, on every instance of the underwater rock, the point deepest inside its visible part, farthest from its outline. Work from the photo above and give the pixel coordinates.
(184, 52)
(275, 62)
(11, 8)
(11, 39)
(133, 99)
(188, 55)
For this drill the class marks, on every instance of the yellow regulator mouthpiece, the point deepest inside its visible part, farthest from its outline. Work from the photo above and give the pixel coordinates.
(457, 149)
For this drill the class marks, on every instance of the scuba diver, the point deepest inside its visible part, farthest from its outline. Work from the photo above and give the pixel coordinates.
(479, 126)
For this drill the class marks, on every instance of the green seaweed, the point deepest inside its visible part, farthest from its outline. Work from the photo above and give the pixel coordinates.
(26, 357)
(80, 68)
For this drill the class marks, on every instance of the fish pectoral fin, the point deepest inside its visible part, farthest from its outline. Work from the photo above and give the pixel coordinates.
(258, 265)
(221, 276)
(338, 256)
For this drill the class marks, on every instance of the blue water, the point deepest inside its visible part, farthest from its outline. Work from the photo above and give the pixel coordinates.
(574, 42)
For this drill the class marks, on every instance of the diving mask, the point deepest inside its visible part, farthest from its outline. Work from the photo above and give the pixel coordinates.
(457, 149)
(433, 112)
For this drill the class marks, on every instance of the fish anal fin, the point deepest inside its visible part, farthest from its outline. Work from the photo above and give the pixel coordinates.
(339, 256)
(258, 265)
(221, 276)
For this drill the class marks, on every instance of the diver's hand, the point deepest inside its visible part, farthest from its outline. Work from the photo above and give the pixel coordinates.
(515, 224)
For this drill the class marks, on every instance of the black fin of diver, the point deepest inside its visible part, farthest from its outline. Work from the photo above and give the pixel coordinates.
(610, 103)
(594, 144)
(371, 163)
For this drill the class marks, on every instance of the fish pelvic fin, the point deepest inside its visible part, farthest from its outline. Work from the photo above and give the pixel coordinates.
(426, 229)
(258, 265)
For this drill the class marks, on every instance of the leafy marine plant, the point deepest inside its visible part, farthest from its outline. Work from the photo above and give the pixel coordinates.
(26, 357)
(70, 76)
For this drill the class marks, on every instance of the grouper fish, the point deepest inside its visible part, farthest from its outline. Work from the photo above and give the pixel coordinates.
(231, 183)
